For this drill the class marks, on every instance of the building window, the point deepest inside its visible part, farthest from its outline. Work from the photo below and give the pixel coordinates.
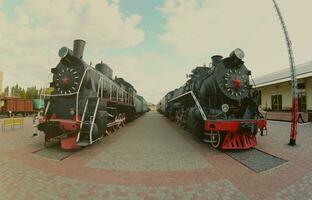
(302, 98)
(276, 101)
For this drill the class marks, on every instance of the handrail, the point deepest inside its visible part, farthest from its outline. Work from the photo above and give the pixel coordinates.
(195, 100)
(103, 79)
(82, 119)
(77, 98)
(58, 95)
(93, 119)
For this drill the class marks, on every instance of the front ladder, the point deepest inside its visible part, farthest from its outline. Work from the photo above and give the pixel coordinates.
(84, 136)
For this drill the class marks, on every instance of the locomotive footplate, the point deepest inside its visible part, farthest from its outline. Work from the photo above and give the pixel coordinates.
(250, 127)
(58, 125)
(234, 134)
(234, 125)
(49, 127)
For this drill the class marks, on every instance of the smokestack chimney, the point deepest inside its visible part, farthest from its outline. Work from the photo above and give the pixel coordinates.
(216, 60)
(79, 48)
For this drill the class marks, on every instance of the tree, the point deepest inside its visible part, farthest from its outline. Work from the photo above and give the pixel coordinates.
(6, 91)
(20, 92)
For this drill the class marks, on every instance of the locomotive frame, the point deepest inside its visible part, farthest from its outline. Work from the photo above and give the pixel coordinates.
(98, 104)
(202, 105)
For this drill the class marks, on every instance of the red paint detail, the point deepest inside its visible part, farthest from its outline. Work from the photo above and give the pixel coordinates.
(294, 119)
(77, 118)
(67, 124)
(234, 139)
(232, 126)
(69, 143)
(239, 141)
(236, 83)
(53, 116)
(65, 80)
(42, 119)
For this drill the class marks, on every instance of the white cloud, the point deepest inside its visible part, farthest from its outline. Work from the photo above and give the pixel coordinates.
(207, 27)
(29, 43)
(151, 74)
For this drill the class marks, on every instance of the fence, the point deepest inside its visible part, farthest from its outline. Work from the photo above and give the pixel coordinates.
(12, 123)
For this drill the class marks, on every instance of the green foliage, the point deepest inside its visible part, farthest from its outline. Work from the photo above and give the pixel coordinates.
(24, 93)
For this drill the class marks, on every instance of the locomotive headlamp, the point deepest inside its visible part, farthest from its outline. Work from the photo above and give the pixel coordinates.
(225, 108)
(63, 52)
(72, 111)
(260, 109)
(238, 53)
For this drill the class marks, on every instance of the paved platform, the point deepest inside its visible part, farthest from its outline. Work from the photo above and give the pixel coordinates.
(153, 158)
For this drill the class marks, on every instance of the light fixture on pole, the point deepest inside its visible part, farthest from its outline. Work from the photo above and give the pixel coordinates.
(294, 110)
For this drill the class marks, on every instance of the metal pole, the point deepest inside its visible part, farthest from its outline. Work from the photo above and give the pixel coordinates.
(294, 111)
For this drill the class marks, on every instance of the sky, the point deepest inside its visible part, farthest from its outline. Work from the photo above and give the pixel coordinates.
(152, 44)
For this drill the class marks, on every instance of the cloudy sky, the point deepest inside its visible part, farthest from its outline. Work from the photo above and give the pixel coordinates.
(151, 43)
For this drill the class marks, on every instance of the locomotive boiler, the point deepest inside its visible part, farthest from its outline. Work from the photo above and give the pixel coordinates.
(86, 102)
(217, 103)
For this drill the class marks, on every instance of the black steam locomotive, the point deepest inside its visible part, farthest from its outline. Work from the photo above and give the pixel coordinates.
(86, 102)
(218, 104)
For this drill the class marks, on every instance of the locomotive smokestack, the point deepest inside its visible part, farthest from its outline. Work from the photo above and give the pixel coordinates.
(216, 59)
(79, 48)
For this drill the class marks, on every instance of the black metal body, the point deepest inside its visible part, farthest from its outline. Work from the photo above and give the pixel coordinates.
(224, 82)
(74, 82)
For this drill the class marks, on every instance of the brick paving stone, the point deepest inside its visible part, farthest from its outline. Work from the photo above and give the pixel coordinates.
(301, 189)
(144, 149)
(19, 137)
(153, 159)
(279, 137)
(46, 186)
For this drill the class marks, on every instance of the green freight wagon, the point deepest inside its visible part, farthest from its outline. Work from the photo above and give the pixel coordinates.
(38, 104)
(141, 105)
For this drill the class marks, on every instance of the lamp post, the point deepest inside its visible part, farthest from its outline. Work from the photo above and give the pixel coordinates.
(294, 110)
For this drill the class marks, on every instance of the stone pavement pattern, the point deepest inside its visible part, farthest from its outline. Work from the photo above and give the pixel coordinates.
(148, 148)
(152, 158)
(48, 186)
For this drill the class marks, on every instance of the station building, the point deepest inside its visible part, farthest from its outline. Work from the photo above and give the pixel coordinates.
(276, 94)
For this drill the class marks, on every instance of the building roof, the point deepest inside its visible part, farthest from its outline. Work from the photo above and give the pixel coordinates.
(303, 70)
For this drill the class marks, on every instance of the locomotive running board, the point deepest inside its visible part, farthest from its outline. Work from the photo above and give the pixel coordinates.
(195, 100)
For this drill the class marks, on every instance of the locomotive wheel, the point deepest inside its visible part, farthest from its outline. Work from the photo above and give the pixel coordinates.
(120, 123)
(216, 138)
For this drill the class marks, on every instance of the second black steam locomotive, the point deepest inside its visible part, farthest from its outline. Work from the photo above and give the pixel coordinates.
(86, 102)
(218, 104)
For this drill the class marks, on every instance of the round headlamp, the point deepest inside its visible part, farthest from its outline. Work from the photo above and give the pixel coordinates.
(238, 53)
(63, 52)
(260, 109)
(72, 111)
(225, 108)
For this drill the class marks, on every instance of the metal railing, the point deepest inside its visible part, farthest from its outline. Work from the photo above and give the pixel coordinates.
(103, 84)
